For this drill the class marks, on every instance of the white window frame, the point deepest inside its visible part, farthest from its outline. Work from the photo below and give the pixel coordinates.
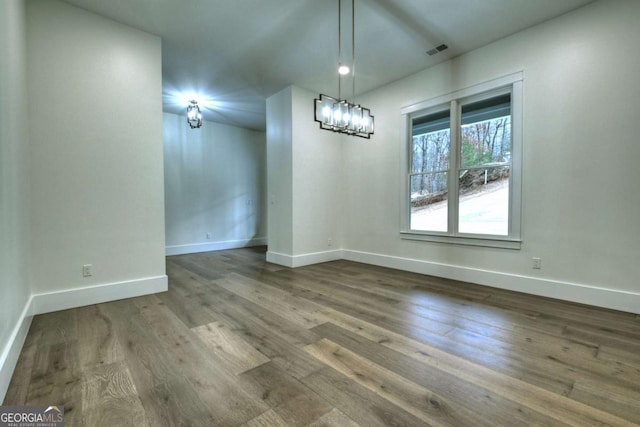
(511, 83)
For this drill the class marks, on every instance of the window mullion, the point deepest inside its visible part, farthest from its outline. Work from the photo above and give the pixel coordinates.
(454, 165)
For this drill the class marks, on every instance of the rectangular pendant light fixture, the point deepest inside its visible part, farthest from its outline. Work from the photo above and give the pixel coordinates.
(340, 115)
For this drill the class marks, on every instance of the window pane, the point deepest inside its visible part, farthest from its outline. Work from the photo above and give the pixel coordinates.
(486, 132)
(484, 201)
(429, 205)
(430, 143)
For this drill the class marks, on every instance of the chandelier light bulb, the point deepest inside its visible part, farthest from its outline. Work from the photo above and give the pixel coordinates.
(194, 115)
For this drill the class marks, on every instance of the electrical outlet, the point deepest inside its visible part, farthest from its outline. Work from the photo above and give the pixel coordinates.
(536, 263)
(329, 242)
(87, 270)
(208, 236)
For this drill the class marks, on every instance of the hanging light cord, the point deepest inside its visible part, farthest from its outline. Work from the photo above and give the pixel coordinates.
(353, 48)
(339, 47)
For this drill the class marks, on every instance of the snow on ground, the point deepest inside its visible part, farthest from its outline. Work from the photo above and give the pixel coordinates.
(482, 211)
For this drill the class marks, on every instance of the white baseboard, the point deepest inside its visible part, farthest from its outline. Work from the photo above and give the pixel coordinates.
(65, 299)
(12, 348)
(214, 246)
(591, 295)
(584, 294)
(78, 297)
(306, 259)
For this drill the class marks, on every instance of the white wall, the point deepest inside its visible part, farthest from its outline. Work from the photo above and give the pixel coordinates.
(581, 173)
(215, 182)
(305, 184)
(280, 172)
(14, 189)
(95, 128)
(317, 180)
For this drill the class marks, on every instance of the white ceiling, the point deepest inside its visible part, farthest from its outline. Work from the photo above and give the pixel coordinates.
(233, 54)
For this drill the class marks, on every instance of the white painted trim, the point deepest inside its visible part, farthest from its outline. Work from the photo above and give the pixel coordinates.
(488, 242)
(487, 86)
(96, 294)
(13, 347)
(592, 295)
(214, 246)
(65, 299)
(584, 294)
(280, 259)
(294, 261)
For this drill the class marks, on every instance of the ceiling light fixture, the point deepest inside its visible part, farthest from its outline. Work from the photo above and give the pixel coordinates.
(337, 114)
(194, 116)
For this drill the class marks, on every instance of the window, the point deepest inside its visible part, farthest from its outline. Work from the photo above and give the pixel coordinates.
(462, 160)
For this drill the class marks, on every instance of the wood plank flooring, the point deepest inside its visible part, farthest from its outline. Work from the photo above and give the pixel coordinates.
(237, 341)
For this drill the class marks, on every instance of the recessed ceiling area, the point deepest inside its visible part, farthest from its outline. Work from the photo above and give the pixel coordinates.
(232, 55)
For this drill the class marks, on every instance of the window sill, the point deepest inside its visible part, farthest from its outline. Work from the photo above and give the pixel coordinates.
(489, 242)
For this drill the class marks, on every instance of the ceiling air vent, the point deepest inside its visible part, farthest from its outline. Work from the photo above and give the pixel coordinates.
(437, 49)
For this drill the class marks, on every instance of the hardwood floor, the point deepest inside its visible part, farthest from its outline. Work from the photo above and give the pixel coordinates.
(240, 342)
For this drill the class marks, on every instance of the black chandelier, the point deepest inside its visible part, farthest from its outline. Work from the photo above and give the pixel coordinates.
(340, 115)
(194, 116)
